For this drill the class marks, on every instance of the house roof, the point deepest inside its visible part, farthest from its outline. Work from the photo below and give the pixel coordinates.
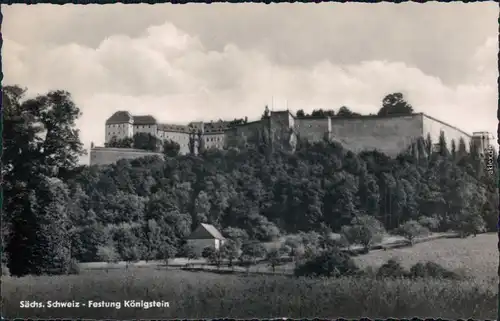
(218, 126)
(206, 231)
(144, 120)
(120, 117)
(173, 128)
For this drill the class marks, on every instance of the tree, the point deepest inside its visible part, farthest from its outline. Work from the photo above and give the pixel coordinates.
(346, 112)
(212, 255)
(273, 257)
(471, 224)
(292, 246)
(236, 235)
(230, 251)
(395, 104)
(153, 239)
(188, 252)
(322, 113)
(330, 264)
(411, 230)
(128, 244)
(453, 150)
(208, 252)
(431, 223)
(108, 254)
(250, 252)
(443, 145)
(146, 141)
(168, 252)
(300, 113)
(202, 207)
(40, 237)
(171, 148)
(39, 138)
(266, 113)
(126, 142)
(364, 230)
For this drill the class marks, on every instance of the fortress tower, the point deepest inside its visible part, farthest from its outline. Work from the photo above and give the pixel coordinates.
(483, 141)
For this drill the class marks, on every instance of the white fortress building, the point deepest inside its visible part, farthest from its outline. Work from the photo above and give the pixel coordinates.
(388, 134)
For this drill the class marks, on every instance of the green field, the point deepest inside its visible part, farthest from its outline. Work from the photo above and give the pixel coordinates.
(207, 295)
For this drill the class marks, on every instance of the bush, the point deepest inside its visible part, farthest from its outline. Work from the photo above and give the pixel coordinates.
(330, 264)
(411, 230)
(107, 254)
(74, 267)
(208, 252)
(429, 222)
(392, 269)
(187, 251)
(433, 270)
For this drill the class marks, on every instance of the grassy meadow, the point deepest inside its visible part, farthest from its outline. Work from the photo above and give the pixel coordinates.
(476, 257)
(205, 294)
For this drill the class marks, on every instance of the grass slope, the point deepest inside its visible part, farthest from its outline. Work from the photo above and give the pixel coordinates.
(475, 256)
(207, 295)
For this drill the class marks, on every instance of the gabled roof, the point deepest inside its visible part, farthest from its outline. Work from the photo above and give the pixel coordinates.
(120, 117)
(144, 120)
(206, 232)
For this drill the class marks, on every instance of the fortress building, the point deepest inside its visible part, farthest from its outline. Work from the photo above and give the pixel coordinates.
(388, 134)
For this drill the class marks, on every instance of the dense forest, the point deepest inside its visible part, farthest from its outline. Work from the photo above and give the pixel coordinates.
(56, 211)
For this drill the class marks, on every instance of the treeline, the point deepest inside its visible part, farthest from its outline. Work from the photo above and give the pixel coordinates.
(392, 104)
(269, 195)
(56, 211)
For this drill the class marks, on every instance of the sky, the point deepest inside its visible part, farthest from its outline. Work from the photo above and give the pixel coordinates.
(182, 63)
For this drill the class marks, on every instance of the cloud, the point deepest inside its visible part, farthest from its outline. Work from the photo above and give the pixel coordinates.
(173, 75)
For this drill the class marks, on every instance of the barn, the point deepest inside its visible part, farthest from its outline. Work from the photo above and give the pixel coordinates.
(205, 235)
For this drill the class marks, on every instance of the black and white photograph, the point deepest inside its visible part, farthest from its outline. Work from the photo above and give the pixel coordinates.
(293, 160)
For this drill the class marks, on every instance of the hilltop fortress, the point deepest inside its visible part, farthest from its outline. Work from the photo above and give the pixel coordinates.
(387, 134)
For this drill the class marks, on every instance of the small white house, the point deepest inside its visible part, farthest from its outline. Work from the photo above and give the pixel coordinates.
(204, 236)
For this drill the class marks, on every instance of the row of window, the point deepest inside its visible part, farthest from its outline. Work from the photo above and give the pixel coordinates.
(208, 139)
(138, 126)
(213, 139)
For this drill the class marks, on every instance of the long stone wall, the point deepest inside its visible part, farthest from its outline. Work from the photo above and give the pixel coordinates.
(313, 129)
(389, 135)
(107, 156)
(434, 127)
(243, 134)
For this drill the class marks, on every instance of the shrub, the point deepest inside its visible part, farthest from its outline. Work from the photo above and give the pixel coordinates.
(392, 269)
(188, 251)
(107, 254)
(208, 252)
(429, 222)
(330, 264)
(433, 270)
